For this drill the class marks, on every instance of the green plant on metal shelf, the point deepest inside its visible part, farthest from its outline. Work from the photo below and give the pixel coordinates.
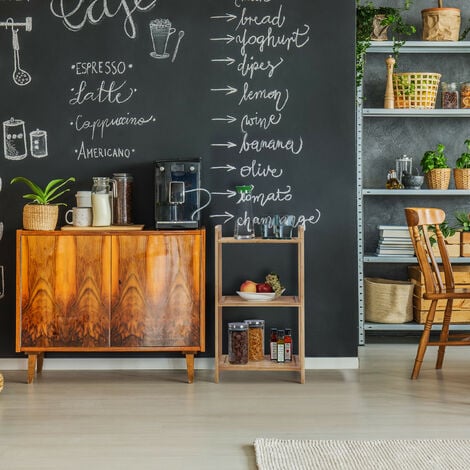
(446, 229)
(463, 221)
(434, 159)
(392, 18)
(464, 160)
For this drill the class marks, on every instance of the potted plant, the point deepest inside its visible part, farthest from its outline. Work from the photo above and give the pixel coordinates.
(463, 226)
(373, 23)
(435, 168)
(462, 169)
(452, 239)
(40, 214)
(441, 24)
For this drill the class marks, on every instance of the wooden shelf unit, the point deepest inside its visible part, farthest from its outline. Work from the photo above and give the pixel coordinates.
(224, 301)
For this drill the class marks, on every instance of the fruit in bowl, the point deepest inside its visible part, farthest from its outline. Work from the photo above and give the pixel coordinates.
(263, 287)
(248, 286)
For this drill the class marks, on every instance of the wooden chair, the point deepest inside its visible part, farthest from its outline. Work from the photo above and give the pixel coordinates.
(419, 219)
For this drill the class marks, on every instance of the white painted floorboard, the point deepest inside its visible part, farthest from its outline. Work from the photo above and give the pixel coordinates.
(154, 420)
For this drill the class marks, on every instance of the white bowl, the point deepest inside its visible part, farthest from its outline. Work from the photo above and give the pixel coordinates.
(257, 296)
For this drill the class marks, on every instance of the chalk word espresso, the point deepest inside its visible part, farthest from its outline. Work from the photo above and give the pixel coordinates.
(76, 14)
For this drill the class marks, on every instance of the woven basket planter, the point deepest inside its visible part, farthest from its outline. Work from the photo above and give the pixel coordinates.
(439, 178)
(40, 217)
(441, 24)
(462, 178)
(388, 301)
(415, 90)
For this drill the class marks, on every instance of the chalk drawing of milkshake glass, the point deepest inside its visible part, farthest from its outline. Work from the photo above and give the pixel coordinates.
(160, 30)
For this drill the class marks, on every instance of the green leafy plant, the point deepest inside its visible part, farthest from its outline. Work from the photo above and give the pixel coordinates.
(52, 191)
(364, 26)
(446, 229)
(463, 220)
(433, 159)
(464, 160)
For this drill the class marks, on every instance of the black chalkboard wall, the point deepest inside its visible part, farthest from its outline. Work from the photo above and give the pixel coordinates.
(261, 90)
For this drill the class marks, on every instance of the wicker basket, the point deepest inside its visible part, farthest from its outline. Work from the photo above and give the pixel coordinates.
(462, 178)
(439, 178)
(40, 217)
(415, 90)
(388, 301)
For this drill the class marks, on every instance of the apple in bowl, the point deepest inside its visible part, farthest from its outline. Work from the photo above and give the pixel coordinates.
(248, 286)
(263, 287)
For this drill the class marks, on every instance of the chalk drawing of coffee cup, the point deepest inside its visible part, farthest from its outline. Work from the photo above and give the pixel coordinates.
(160, 30)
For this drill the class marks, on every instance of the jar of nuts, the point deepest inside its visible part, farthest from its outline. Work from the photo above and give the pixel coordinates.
(238, 343)
(255, 340)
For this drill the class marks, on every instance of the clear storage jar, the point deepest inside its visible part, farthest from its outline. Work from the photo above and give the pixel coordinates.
(465, 95)
(449, 96)
(238, 343)
(255, 340)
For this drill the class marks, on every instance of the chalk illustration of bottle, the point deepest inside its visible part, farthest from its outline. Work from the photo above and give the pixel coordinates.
(38, 143)
(14, 139)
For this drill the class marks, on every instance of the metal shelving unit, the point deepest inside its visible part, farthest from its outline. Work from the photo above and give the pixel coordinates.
(411, 47)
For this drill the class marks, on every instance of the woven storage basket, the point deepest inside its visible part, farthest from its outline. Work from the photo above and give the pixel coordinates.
(415, 90)
(462, 178)
(388, 301)
(439, 178)
(40, 217)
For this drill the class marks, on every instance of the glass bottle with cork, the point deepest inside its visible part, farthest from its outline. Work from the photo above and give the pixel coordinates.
(288, 345)
(281, 352)
(273, 344)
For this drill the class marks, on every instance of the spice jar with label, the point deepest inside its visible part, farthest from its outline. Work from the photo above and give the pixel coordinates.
(238, 343)
(255, 340)
(449, 96)
(465, 95)
(273, 344)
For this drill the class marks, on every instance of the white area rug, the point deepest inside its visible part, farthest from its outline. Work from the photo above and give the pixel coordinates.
(435, 454)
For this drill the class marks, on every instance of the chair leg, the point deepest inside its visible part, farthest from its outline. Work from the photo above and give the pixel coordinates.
(444, 336)
(424, 340)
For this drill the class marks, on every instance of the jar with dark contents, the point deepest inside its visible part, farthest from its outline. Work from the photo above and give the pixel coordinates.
(122, 198)
(255, 340)
(238, 343)
(449, 96)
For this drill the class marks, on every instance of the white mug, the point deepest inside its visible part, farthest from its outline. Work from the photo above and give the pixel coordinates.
(83, 198)
(81, 216)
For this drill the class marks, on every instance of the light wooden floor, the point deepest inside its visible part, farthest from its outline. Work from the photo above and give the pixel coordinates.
(154, 420)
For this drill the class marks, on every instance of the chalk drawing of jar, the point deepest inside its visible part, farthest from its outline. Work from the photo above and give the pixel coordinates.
(14, 139)
(38, 143)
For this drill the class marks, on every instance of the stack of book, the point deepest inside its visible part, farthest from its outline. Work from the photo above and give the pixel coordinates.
(394, 240)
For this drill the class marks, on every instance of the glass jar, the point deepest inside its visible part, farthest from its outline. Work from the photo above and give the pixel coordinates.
(449, 96)
(244, 227)
(122, 198)
(101, 201)
(255, 340)
(465, 95)
(403, 164)
(238, 343)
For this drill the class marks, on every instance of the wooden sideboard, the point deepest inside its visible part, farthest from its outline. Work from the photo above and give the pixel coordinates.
(121, 291)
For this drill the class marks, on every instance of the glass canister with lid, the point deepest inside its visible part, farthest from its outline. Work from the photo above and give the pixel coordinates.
(122, 198)
(255, 340)
(238, 343)
(449, 96)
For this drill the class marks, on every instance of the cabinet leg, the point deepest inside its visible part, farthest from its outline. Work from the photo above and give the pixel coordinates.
(40, 362)
(190, 367)
(32, 358)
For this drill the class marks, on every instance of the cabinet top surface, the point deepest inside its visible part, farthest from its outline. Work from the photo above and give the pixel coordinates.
(105, 231)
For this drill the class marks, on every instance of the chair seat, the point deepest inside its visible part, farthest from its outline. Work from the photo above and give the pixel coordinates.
(458, 293)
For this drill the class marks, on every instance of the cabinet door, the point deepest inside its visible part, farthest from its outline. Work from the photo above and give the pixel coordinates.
(63, 291)
(156, 283)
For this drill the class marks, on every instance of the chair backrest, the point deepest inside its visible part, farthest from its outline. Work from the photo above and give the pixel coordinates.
(419, 220)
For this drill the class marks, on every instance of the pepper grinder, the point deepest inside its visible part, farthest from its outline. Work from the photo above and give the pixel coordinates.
(389, 98)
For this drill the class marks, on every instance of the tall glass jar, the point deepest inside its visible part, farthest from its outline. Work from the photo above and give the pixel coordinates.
(101, 201)
(465, 95)
(238, 343)
(255, 340)
(449, 96)
(122, 198)
(244, 227)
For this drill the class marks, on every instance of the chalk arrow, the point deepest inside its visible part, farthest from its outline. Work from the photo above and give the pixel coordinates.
(229, 145)
(229, 60)
(229, 119)
(229, 168)
(229, 193)
(227, 16)
(227, 215)
(228, 39)
(229, 89)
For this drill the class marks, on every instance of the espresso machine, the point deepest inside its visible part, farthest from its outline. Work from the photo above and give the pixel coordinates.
(177, 194)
